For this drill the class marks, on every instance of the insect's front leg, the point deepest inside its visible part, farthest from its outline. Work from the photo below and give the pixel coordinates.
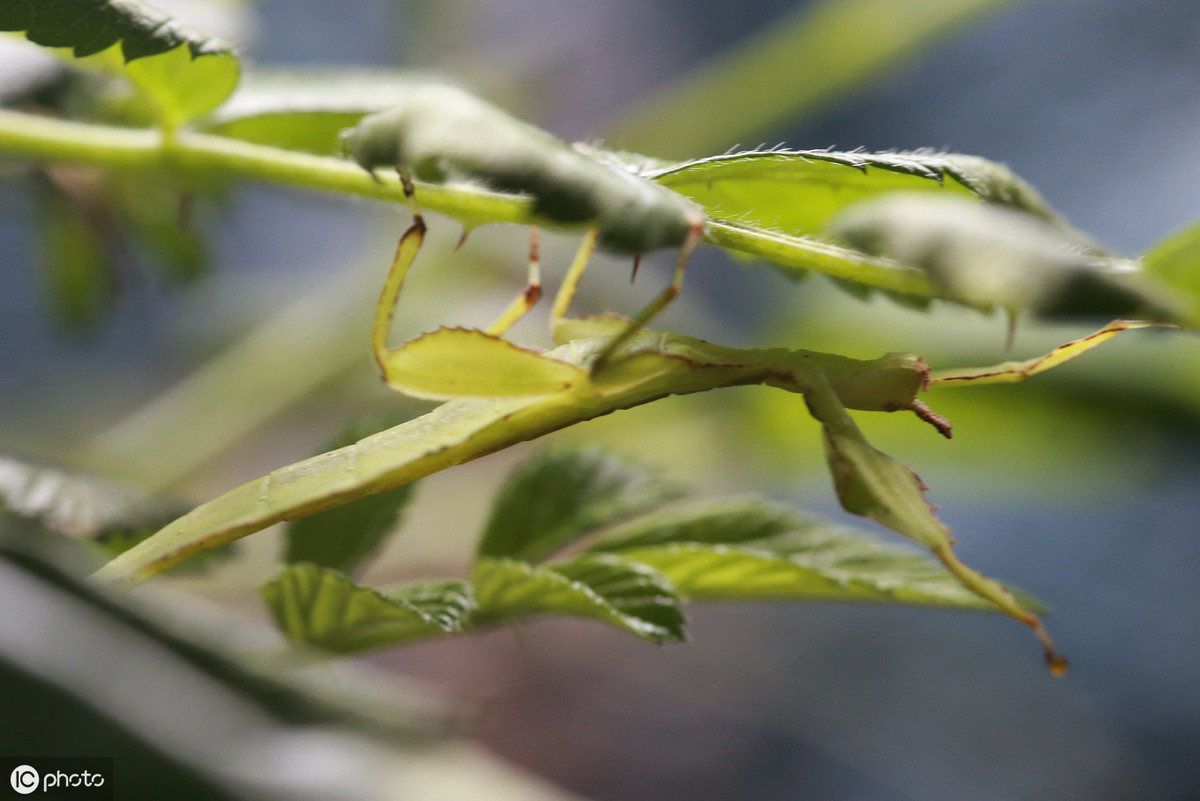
(385, 308)
(406, 252)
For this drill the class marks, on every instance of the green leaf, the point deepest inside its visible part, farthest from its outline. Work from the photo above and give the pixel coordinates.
(561, 494)
(986, 256)
(306, 109)
(89, 26)
(343, 537)
(325, 608)
(632, 597)
(184, 72)
(1176, 260)
(456, 362)
(798, 191)
(740, 549)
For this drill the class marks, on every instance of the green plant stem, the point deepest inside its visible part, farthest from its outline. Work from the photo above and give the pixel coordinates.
(46, 139)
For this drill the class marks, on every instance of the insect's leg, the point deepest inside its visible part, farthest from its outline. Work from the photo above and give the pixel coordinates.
(406, 252)
(659, 303)
(525, 301)
(562, 301)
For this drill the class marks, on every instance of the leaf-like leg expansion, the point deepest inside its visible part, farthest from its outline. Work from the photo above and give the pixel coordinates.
(566, 293)
(660, 302)
(872, 484)
(1012, 372)
(529, 296)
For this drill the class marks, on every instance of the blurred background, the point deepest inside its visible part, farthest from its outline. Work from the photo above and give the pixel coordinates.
(1079, 486)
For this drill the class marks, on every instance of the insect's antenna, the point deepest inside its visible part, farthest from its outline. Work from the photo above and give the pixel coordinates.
(660, 302)
(637, 260)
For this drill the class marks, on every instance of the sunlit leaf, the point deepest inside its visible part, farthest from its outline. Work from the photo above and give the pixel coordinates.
(631, 597)
(185, 72)
(325, 608)
(561, 494)
(799, 191)
(738, 549)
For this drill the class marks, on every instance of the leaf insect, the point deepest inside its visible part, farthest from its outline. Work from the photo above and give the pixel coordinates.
(439, 134)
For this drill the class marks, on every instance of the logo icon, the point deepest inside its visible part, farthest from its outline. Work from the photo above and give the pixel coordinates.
(24, 779)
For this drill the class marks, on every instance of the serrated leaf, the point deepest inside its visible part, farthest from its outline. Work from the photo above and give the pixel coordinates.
(343, 537)
(561, 494)
(739, 549)
(325, 608)
(306, 109)
(185, 72)
(89, 26)
(987, 257)
(798, 191)
(458, 362)
(1176, 260)
(632, 597)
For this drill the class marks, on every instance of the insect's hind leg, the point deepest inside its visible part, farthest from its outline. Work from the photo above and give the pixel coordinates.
(659, 303)
(528, 297)
(406, 252)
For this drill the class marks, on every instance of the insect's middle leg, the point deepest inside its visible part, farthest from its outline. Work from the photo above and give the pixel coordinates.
(529, 296)
(659, 303)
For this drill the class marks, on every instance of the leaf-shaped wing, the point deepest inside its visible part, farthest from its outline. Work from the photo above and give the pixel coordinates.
(458, 362)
